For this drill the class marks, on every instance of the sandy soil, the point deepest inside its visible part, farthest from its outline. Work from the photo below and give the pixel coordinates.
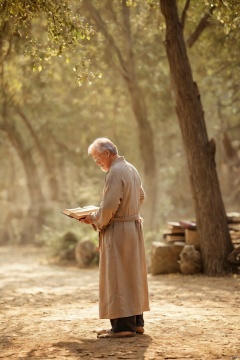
(50, 312)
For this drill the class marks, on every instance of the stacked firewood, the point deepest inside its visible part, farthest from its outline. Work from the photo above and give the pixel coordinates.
(186, 231)
(234, 227)
(179, 249)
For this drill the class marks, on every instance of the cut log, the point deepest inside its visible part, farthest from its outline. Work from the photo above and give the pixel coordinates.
(165, 258)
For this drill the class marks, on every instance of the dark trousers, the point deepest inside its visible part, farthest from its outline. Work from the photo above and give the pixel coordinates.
(127, 323)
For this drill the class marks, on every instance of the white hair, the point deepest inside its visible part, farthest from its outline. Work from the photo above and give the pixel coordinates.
(101, 145)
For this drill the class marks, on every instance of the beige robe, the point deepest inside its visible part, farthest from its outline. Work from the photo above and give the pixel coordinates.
(123, 288)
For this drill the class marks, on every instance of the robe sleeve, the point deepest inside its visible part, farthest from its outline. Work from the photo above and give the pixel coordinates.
(142, 195)
(112, 195)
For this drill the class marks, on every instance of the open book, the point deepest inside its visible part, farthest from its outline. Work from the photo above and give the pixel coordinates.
(80, 212)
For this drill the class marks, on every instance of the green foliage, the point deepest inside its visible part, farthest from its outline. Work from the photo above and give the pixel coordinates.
(65, 248)
(49, 29)
(227, 12)
(217, 72)
(61, 245)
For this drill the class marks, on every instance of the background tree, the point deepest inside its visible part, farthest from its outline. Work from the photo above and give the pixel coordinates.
(41, 31)
(120, 42)
(210, 212)
(220, 98)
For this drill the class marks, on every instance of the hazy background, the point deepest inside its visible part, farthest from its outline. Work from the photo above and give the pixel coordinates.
(48, 120)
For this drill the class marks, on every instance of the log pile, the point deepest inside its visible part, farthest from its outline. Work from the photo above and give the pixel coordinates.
(234, 227)
(179, 248)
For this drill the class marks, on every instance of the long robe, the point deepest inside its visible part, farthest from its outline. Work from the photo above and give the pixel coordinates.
(123, 288)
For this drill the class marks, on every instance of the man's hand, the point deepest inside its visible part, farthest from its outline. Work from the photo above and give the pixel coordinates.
(87, 220)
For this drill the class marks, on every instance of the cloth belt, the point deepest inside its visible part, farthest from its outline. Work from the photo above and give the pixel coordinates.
(129, 218)
(126, 218)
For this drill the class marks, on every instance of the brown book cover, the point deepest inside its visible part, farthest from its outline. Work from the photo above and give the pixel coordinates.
(175, 237)
(173, 225)
(175, 231)
(191, 225)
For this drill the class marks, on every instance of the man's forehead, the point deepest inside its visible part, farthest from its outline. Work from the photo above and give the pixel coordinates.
(95, 152)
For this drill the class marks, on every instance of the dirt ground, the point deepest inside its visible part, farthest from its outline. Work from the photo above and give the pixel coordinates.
(49, 311)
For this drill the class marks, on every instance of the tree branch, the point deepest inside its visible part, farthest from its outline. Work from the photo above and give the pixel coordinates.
(103, 28)
(128, 34)
(202, 25)
(184, 13)
(5, 41)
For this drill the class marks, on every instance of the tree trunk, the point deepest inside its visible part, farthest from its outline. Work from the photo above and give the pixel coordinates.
(35, 217)
(146, 143)
(146, 137)
(211, 218)
(51, 179)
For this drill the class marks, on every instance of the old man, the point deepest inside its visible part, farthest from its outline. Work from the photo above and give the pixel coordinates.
(123, 289)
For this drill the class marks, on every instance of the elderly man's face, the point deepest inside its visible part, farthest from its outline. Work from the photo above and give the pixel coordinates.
(102, 159)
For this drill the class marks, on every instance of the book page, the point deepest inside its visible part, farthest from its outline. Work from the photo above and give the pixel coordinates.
(80, 212)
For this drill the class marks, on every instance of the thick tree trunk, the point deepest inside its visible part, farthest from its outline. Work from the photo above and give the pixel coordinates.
(210, 212)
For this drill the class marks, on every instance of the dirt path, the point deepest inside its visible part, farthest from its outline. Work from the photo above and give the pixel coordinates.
(50, 312)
